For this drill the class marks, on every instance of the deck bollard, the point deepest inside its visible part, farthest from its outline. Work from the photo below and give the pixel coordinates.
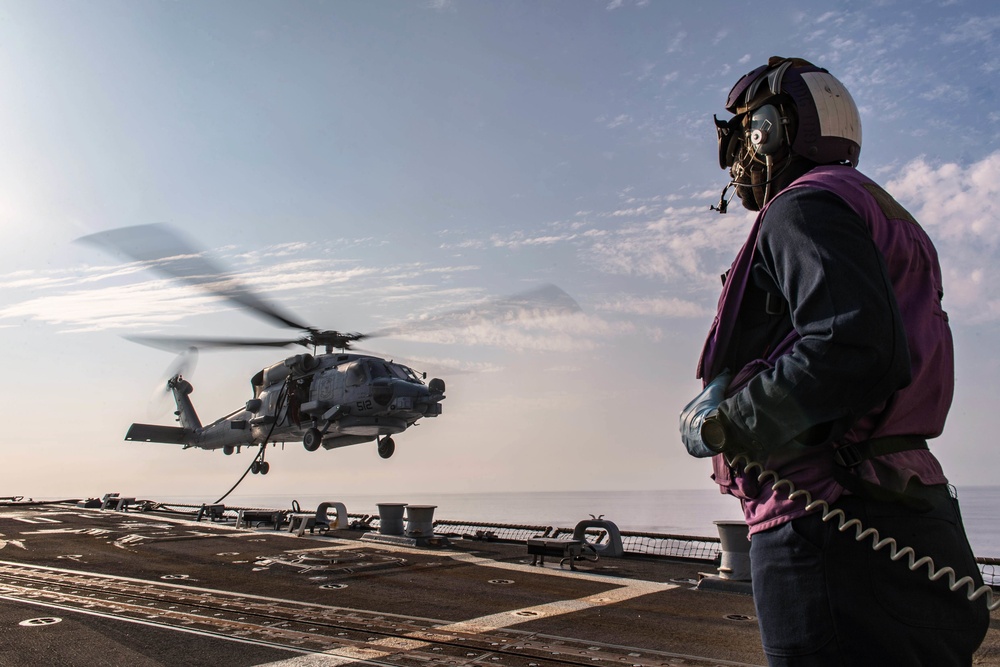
(420, 520)
(390, 517)
(735, 561)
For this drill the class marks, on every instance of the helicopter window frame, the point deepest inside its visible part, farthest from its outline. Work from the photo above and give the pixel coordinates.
(379, 369)
(404, 373)
(355, 374)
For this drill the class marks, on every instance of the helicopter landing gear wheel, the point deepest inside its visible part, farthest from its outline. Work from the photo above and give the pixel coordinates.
(386, 447)
(312, 439)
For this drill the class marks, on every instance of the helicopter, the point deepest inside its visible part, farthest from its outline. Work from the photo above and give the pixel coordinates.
(329, 399)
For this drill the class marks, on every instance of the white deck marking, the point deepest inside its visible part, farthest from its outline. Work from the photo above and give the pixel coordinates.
(383, 648)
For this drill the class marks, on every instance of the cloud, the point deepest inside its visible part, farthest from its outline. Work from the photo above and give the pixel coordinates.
(685, 246)
(619, 120)
(618, 4)
(945, 90)
(677, 43)
(977, 29)
(441, 5)
(656, 307)
(953, 203)
(643, 210)
(123, 298)
(151, 304)
(21, 280)
(577, 332)
(951, 199)
(522, 239)
(720, 36)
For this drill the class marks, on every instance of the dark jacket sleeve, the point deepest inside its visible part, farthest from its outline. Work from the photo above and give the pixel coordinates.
(818, 254)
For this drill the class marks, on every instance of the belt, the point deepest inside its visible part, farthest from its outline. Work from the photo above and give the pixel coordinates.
(852, 454)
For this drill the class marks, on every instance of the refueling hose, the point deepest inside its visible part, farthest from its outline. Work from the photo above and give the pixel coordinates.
(256, 461)
(259, 458)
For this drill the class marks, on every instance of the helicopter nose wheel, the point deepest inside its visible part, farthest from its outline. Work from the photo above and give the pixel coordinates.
(386, 447)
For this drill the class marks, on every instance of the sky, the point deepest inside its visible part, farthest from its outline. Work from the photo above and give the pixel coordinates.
(361, 164)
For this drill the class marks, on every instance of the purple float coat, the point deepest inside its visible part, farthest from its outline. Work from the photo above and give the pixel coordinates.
(906, 391)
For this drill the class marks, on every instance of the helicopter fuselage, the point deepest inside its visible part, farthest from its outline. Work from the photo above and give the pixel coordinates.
(329, 400)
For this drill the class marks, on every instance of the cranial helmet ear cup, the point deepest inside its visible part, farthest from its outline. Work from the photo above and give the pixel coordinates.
(766, 133)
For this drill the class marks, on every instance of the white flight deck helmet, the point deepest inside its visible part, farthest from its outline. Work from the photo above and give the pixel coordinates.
(788, 107)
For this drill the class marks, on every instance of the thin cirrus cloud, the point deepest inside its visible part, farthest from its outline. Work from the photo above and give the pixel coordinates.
(103, 299)
(145, 305)
(95, 298)
(684, 247)
(656, 306)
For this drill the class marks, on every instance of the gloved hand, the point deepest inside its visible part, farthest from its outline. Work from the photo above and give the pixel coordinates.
(694, 413)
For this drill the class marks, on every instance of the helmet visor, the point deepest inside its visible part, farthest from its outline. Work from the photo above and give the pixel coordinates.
(730, 134)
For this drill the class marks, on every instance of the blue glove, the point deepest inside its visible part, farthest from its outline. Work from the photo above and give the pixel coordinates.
(694, 413)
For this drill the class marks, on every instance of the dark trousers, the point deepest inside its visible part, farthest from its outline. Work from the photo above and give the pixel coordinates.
(824, 598)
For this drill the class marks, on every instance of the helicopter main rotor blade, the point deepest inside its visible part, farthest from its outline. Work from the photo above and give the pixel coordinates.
(543, 301)
(171, 344)
(165, 251)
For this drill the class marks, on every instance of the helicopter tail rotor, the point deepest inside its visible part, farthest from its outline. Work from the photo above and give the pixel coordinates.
(182, 366)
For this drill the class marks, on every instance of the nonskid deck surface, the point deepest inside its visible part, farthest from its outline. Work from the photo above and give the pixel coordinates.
(146, 589)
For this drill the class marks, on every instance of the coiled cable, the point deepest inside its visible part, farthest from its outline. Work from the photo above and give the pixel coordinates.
(861, 533)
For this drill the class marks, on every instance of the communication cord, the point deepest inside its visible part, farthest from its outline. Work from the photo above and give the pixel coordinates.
(259, 458)
(860, 533)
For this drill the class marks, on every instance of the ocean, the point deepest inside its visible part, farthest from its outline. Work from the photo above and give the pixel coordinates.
(688, 512)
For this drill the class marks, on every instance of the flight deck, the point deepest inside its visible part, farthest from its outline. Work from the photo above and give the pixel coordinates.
(89, 586)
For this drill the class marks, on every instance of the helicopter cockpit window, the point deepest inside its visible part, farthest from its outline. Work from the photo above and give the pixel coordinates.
(404, 373)
(356, 374)
(378, 369)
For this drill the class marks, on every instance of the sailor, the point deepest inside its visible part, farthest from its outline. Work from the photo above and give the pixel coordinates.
(297, 394)
(830, 363)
